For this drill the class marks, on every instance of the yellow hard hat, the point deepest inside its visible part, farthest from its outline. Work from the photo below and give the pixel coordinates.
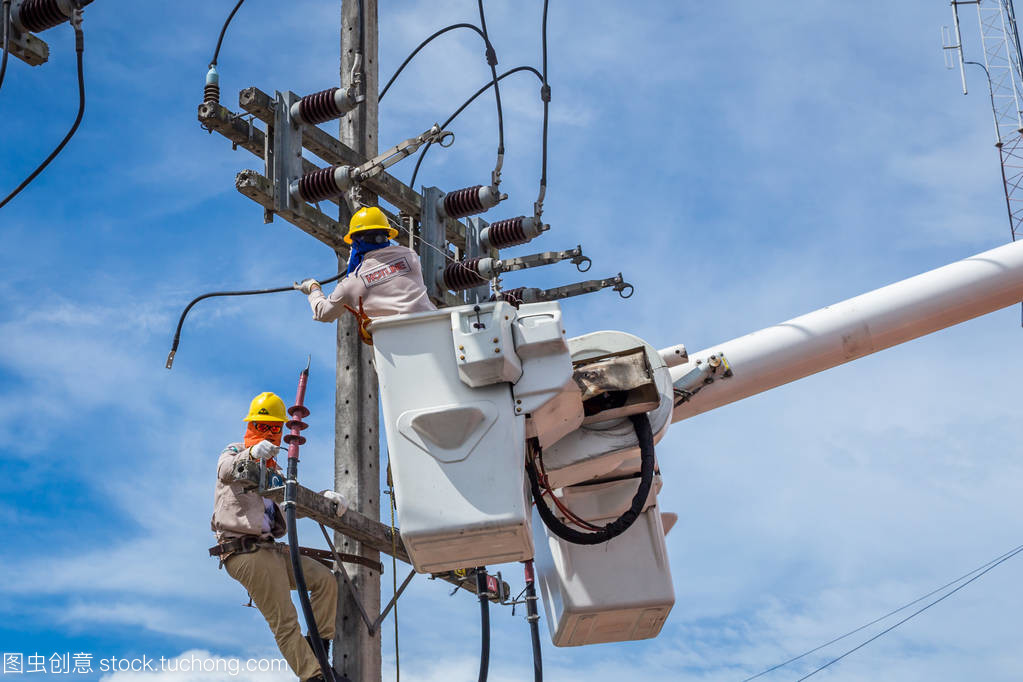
(369, 218)
(266, 407)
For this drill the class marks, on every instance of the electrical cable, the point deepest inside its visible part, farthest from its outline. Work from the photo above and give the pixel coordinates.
(644, 433)
(297, 412)
(492, 61)
(223, 30)
(481, 591)
(7, 39)
(545, 96)
(460, 109)
(534, 620)
(76, 22)
(420, 47)
(885, 616)
(912, 615)
(213, 294)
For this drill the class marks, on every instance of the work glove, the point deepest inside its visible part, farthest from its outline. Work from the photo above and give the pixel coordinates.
(264, 449)
(342, 503)
(307, 286)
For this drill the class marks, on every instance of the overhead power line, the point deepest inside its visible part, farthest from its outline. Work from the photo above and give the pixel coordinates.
(76, 22)
(984, 568)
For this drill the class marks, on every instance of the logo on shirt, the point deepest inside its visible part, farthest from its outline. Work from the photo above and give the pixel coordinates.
(386, 272)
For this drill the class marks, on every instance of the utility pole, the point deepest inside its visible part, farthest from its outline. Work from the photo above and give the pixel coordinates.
(356, 428)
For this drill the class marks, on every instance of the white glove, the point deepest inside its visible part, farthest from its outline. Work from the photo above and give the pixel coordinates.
(307, 286)
(264, 449)
(342, 503)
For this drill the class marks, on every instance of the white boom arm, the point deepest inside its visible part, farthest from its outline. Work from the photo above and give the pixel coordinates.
(858, 326)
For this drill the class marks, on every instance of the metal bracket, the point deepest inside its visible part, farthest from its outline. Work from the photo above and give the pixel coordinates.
(535, 260)
(287, 151)
(432, 243)
(27, 47)
(704, 372)
(473, 249)
(371, 625)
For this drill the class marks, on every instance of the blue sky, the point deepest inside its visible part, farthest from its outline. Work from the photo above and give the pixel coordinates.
(741, 163)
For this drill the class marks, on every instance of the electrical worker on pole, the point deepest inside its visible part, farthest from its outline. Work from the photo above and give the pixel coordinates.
(382, 278)
(246, 524)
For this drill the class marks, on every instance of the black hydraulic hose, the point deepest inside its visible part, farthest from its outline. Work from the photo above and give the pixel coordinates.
(481, 590)
(534, 620)
(223, 30)
(420, 47)
(7, 39)
(465, 104)
(612, 530)
(251, 292)
(297, 412)
(76, 22)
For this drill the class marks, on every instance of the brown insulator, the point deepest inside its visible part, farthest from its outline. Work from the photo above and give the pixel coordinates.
(319, 107)
(318, 185)
(463, 275)
(39, 15)
(211, 94)
(507, 233)
(464, 202)
(513, 296)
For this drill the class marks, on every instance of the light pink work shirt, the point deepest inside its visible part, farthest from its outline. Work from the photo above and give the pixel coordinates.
(389, 281)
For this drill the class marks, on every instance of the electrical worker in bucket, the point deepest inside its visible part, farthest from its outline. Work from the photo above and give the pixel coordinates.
(246, 524)
(385, 278)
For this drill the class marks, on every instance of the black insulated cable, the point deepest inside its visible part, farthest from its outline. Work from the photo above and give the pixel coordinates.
(7, 39)
(481, 591)
(423, 44)
(645, 435)
(492, 61)
(76, 22)
(534, 620)
(545, 96)
(459, 110)
(213, 294)
(223, 30)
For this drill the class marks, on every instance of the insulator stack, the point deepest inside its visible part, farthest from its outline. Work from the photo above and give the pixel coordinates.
(211, 94)
(298, 413)
(469, 201)
(463, 275)
(513, 296)
(39, 15)
(318, 107)
(318, 185)
(506, 233)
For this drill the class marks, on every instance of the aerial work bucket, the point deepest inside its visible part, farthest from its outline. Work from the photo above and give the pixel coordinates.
(456, 430)
(617, 591)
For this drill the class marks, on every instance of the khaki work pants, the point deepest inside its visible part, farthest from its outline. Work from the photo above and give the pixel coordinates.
(267, 575)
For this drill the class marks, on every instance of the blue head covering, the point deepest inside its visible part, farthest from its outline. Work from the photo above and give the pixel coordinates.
(359, 250)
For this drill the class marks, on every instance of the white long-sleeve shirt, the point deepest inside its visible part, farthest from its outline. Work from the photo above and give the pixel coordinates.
(389, 281)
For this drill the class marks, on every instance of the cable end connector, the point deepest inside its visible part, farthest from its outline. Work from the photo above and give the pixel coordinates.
(545, 92)
(170, 359)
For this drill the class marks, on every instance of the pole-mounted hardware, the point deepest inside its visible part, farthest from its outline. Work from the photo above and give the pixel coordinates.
(474, 272)
(534, 295)
(336, 180)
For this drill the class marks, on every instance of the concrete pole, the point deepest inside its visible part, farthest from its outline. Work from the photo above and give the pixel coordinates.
(356, 428)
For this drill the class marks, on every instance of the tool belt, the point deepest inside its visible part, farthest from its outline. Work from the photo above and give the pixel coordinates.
(251, 543)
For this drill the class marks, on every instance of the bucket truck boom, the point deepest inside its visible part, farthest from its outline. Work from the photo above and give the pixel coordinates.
(857, 327)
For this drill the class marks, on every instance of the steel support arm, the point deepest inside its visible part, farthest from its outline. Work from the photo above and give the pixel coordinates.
(859, 326)
(358, 527)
